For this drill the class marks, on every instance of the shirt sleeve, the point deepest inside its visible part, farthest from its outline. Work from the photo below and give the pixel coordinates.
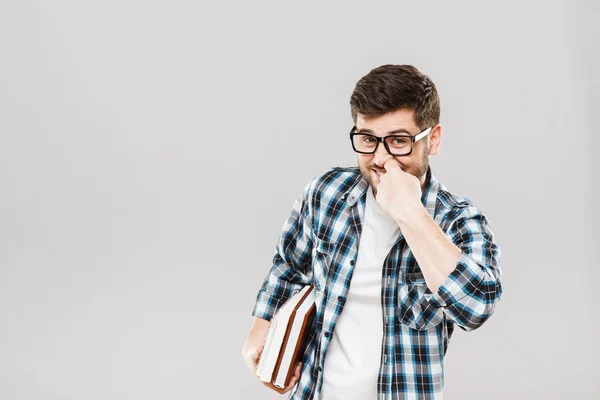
(291, 262)
(472, 291)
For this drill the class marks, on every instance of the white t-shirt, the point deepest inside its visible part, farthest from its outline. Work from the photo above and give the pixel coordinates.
(353, 356)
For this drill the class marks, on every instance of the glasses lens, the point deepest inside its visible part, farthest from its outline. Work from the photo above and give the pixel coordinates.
(399, 145)
(364, 143)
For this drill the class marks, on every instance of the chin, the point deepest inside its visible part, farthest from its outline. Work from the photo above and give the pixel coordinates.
(374, 178)
(371, 176)
(374, 181)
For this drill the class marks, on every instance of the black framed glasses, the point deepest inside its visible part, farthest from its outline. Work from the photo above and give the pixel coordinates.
(396, 145)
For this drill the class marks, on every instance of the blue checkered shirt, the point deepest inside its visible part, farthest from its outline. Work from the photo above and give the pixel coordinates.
(319, 246)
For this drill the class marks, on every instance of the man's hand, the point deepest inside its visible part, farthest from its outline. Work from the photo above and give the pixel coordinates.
(398, 192)
(251, 357)
(251, 352)
(253, 362)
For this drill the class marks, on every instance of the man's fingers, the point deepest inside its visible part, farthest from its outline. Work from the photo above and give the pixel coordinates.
(298, 369)
(390, 164)
(295, 378)
(278, 390)
(254, 355)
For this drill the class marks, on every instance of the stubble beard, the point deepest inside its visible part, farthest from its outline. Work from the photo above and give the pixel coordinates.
(416, 170)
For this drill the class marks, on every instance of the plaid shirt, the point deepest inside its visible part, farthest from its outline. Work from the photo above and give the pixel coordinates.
(319, 246)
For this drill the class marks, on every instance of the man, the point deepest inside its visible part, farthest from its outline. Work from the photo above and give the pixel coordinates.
(396, 259)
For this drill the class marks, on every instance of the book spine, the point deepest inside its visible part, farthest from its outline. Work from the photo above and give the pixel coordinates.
(302, 343)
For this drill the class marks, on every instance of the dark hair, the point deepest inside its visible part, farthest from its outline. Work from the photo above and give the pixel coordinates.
(392, 87)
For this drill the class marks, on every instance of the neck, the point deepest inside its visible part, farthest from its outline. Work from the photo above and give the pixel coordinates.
(423, 181)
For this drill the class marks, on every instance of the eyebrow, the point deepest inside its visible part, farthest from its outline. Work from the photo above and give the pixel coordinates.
(401, 130)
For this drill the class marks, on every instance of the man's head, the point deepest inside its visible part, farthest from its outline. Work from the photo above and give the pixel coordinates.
(396, 100)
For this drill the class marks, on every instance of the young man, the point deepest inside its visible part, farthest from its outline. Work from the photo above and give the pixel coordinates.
(396, 259)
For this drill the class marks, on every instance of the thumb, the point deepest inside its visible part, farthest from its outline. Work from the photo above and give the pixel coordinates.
(253, 354)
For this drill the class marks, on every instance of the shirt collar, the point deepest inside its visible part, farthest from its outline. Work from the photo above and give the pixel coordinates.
(429, 193)
(358, 191)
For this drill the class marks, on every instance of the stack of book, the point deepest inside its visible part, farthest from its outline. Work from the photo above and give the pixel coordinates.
(287, 338)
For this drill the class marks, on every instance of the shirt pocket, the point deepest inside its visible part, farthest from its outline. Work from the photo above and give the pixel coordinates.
(322, 254)
(414, 303)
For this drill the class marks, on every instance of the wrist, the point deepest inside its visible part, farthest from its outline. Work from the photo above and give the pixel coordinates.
(412, 215)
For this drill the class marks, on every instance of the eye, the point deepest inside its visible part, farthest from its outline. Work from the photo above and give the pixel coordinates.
(399, 141)
(369, 140)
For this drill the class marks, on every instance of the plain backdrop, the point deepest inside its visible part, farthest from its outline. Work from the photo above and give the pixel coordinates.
(150, 152)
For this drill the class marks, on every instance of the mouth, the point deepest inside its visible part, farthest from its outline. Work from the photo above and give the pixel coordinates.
(378, 174)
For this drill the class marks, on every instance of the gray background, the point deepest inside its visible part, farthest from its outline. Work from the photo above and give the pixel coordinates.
(150, 152)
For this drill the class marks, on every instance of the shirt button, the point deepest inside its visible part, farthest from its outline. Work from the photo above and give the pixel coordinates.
(326, 334)
(351, 262)
(340, 299)
(320, 369)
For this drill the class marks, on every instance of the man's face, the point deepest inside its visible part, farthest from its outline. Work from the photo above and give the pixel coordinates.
(399, 122)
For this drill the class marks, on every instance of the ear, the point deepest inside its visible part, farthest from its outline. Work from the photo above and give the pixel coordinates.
(435, 139)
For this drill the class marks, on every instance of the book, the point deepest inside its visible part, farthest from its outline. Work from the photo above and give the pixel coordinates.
(287, 338)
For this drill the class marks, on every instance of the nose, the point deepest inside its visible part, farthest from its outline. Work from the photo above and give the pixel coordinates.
(381, 155)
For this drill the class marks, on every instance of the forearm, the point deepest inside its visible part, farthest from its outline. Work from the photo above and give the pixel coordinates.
(435, 253)
(460, 268)
(258, 330)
